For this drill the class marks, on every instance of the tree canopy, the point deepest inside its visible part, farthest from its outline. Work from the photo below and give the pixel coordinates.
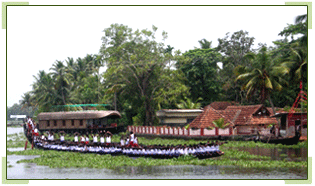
(139, 63)
(143, 75)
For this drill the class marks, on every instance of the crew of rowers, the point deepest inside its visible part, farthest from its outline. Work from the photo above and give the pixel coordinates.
(130, 147)
(127, 146)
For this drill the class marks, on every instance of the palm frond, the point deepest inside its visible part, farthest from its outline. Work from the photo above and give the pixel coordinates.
(268, 83)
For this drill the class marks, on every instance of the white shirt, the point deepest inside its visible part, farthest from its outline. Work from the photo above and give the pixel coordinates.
(132, 137)
(62, 138)
(76, 139)
(122, 142)
(108, 139)
(102, 140)
(217, 147)
(50, 137)
(31, 122)
(83, 139)
(95, 139)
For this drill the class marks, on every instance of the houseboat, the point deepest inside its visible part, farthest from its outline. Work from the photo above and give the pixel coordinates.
(79, 121)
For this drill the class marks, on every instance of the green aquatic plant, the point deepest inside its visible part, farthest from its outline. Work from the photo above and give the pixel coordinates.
(233, 156)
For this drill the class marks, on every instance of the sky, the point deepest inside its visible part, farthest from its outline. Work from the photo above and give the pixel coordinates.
(37, 36)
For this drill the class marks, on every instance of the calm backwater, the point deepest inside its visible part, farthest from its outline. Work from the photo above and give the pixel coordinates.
(32, 171)
(279, 154)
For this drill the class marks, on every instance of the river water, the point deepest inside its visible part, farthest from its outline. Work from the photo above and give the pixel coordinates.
(32, 171)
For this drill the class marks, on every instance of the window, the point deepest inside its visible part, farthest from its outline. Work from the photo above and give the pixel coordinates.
(72, 122)
(81, 122)
(63, 123)
(48, 124)
(55, 123)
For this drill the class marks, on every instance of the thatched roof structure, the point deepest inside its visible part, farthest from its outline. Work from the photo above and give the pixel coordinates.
(78, 115)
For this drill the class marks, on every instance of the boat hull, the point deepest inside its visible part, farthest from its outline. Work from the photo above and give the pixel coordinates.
(285, 141)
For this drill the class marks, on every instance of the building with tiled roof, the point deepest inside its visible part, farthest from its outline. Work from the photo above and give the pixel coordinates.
(205, 119)
(244, 119)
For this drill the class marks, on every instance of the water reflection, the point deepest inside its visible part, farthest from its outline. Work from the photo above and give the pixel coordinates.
(32, 171)
(13, 130)
(15, 149)
(289, 154)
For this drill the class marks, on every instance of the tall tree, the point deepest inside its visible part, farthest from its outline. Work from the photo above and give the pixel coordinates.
(44, 92)
(201, 72)
(62, 79)
(234, 48)
(299, 30)
(263, 78)
(139, 62)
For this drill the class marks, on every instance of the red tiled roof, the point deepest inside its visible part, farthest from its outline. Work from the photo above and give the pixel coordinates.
(206, 118)
(221, 105)
(245, 112)
(235, 115)
(270, 110)
(262, 120)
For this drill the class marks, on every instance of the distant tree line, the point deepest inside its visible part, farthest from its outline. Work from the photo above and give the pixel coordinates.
(18, 109)
(143, 75)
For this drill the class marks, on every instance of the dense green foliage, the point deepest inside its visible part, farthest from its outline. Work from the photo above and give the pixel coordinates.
(140, 66)
(143, 75)
(201, 72)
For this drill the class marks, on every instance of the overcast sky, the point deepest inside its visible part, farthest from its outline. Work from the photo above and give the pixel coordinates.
(37, 36)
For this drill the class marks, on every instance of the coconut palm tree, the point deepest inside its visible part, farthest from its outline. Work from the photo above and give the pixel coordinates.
(263, 78)
(27, 100)
(44, 94)
(297, 62)
(62, 79)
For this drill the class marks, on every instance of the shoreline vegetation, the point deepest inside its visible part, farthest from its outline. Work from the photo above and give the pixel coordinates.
(232, 157)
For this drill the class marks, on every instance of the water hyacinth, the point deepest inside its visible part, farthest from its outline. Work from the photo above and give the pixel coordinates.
(233, 156)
